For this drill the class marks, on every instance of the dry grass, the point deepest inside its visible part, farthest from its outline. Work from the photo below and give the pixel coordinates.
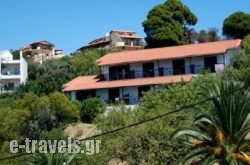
(81, 130)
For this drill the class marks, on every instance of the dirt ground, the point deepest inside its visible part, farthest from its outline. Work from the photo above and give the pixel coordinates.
(81, 130)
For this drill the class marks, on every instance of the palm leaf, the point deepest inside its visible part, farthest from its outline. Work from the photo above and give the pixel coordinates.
(210, 160)
(192, 155)
(194, 133)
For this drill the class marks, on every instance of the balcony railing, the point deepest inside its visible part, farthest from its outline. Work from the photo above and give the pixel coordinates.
(12, 71)
(133, 74)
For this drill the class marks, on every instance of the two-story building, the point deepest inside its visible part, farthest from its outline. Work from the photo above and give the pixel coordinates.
(41, 51)
(116, 40)
(126, 75)
(12, 72)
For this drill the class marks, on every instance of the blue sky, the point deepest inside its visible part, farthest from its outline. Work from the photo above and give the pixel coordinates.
(70, 24)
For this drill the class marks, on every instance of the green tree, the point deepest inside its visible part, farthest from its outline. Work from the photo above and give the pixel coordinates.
(168, 24)
(16, 54)
(237, 25)
(12, 119)
(212, 35)
(246, 44)
(64, 109)
(83, 63)
(132, 144)
(47, 77)
(90, 108)
(207, 36)
(219, 132)
(201, 37)
(46, 113)
(239, 68)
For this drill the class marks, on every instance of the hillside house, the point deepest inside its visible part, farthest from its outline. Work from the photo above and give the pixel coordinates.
(126, 75)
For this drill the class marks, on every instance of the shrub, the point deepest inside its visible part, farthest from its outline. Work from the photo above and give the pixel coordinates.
(90, 108)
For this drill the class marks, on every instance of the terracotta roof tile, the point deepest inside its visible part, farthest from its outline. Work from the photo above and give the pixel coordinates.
(122, 31)
(172, 52)
(44, 42)
(92, 82)
(129, 36)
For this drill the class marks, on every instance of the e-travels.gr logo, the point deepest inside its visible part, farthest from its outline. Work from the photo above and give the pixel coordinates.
(88, 147)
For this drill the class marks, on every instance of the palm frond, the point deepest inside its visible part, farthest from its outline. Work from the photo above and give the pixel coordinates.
(191, 132)
(192, 155)
(210, 160)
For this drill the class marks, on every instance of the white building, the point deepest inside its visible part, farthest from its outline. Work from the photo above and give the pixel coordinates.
(12, 72)
(126, 75)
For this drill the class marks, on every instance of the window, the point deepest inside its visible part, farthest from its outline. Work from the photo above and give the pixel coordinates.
(148, 69)
(11, 86)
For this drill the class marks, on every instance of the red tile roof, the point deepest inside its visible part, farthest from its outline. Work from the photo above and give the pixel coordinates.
(122, 31)
(93, 82)
(99, 40)
(192, 50)
(129, 36)
(44, 42)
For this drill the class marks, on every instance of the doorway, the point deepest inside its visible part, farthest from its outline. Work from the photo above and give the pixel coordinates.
(148, 69)
(178, 67)
(114, 94)
(209, 63)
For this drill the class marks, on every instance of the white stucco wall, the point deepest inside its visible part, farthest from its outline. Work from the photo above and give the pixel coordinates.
(23, 70)
(137, 67)
(197, 61)
(102, 94)
(228, 56)
(167, 65)
(220, 59)
(199, 64)
(6, 55)
(133, 94)
(187, 65)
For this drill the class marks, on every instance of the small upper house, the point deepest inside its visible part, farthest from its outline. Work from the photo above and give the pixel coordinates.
(126, 75)
(12, 72)
(116, 40)
(41, 51)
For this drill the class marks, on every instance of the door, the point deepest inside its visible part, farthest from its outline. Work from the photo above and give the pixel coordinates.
(148, 69)
(114, 94)
(178, 67)
(209, 63)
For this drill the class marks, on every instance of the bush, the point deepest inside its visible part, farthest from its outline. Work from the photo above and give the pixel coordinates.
(90, 108)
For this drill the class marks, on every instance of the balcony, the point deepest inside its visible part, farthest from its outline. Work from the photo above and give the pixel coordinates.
(133, 74)
(12, 71)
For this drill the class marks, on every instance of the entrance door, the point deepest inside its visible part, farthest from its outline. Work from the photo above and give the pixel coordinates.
(114, 93)
(178, 67)
(209, 63)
